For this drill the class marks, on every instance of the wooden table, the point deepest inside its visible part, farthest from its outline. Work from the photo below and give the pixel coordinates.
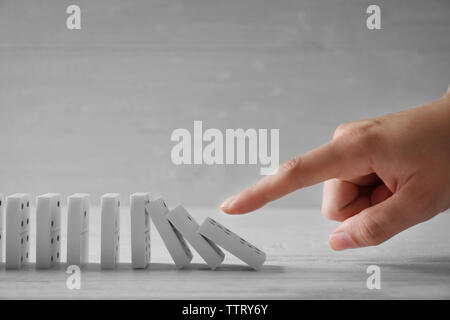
(300, 264)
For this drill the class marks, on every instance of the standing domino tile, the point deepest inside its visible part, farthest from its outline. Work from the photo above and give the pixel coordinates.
(188, 227)
(1, 227)
(17, 230)
(140, 230)
(110, 204)
(174, 241)
(78, 229)
(48, 230)
(231, 242)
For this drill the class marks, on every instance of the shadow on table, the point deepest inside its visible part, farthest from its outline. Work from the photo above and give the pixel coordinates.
(436, 266)
(204, 267)
(152, 267)
(222, 267)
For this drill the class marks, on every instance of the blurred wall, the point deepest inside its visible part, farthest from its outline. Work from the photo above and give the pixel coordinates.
(93, 110)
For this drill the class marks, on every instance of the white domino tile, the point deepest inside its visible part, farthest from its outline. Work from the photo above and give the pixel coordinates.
(140, 230)
(2, 232)
(173, 240)
(232, 243)
(48, 230)
(110, 229)
(78, 229)
(188, 227)
(17, 230)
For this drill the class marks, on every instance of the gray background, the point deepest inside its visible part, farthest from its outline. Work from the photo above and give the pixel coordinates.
(92, 110)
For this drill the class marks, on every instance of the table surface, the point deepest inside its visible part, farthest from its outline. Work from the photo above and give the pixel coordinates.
(300, 264)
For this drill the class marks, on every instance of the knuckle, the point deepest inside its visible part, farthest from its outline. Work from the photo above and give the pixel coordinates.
(342, 129)
(362, 134)
(372, 232)
(289, 173)
(368, 136)
(331, 214)
(290, 165)
(358, 128)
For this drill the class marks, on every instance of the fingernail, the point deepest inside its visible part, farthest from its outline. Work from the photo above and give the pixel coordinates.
(341, 241)
(227, 204)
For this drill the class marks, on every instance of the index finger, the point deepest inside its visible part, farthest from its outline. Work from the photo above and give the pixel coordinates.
(331, 160)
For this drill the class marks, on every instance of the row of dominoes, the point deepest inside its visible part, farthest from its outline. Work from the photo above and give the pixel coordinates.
(174, 226)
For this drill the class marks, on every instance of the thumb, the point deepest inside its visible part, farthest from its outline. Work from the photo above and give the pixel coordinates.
(378, 223)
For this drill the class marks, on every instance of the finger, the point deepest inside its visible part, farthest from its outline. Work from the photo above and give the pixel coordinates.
(342, 199)
(328, 161)
(378, 223)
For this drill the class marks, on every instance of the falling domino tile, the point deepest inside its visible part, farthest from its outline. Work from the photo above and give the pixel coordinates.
(17, 230)
(140, 230)
(232, 243)
(48, 230)
(77, 229)
(188, 227)
(1, 227)
(174, 241)
(110, 212)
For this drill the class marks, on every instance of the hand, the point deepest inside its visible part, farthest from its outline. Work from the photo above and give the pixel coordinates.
(383, 175)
